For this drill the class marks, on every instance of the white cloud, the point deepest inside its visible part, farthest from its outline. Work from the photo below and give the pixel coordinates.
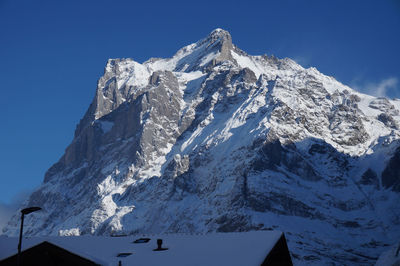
(384, 88)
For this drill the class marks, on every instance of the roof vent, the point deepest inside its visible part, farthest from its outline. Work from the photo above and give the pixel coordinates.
(159, 246)
(123, 254)
(142, 240)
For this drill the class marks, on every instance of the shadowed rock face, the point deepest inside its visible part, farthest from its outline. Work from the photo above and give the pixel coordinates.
(214, 139)
(370, 178)
(391, 174)
(270, 157)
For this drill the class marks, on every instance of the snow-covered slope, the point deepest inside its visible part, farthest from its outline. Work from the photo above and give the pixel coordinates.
(214, 139)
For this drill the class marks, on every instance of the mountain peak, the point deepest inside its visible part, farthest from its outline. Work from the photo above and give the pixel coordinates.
(220, 33)
(218, 42)
(207, 52)
(220, 36)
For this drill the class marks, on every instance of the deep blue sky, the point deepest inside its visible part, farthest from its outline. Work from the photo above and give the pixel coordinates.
(53, 52)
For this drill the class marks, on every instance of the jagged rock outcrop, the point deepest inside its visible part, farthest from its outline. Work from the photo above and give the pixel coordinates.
(214, 139)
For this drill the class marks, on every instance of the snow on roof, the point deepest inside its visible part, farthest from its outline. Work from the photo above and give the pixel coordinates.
(244, 248)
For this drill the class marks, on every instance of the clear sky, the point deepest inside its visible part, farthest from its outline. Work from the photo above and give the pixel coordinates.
(53, 52)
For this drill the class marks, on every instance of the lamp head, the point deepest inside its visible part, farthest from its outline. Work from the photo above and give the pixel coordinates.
(30, 209)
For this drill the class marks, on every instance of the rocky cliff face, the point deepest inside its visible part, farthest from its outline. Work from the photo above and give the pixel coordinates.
(214, 139)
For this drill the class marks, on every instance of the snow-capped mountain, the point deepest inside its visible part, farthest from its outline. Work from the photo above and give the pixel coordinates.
(214, 139)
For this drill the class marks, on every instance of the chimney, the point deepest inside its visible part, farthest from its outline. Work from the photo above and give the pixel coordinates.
(159, 245)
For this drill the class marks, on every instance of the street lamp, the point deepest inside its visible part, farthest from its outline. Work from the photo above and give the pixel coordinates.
(23, 212)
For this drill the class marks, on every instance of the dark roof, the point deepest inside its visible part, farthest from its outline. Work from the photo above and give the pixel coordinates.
(47, 254)
(279, 254)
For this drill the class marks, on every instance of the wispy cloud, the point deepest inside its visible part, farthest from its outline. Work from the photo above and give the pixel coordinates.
(384, 88)
(6, 211)
(302, 60)
(9, 209)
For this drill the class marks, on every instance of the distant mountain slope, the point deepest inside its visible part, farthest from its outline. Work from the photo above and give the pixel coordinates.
(214, 139)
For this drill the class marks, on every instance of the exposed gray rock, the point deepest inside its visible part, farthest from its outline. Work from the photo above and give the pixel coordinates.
(388, 120)
(347, 126)
(383, 104)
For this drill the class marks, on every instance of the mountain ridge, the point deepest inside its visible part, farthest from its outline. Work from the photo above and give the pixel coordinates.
(214, 139)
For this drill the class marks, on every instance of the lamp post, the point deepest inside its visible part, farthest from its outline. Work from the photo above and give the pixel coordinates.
(23, 212)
